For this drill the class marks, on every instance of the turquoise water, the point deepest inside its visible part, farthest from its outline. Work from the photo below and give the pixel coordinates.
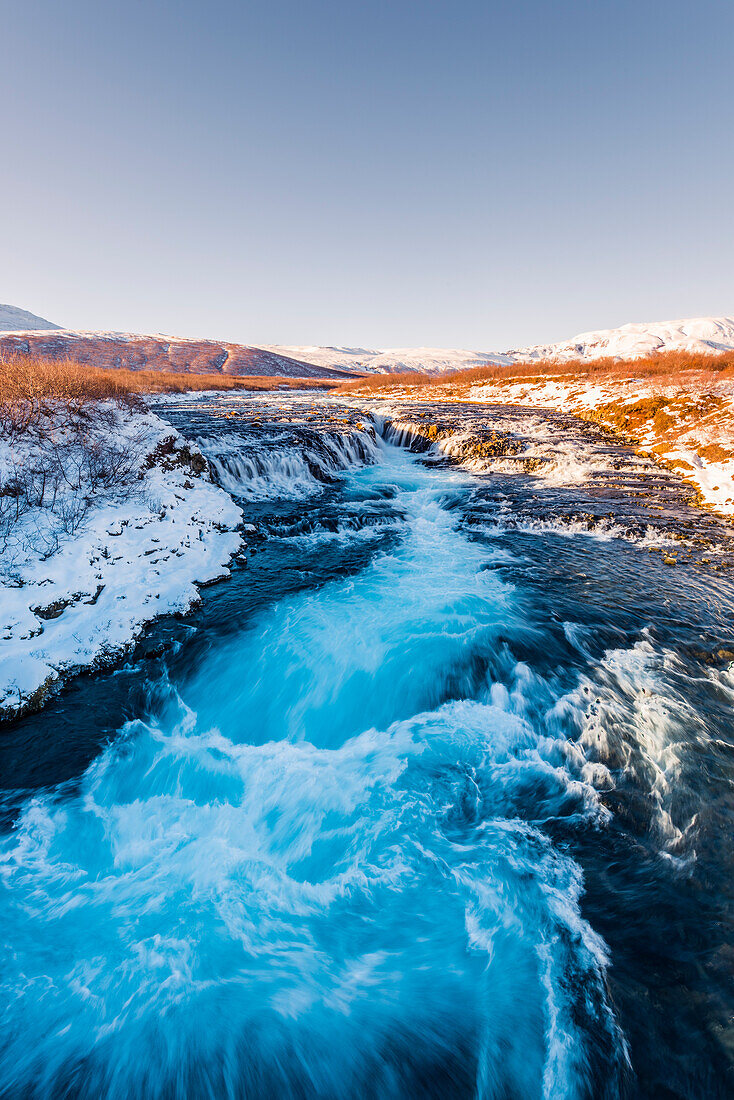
(343, 848)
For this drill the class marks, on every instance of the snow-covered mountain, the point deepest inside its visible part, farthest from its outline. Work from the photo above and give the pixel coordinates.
(13, 319)
(349, 359)
(633, 341)
(390, 360)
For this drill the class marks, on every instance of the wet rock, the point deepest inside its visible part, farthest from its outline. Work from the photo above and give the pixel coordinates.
(52, 610)
(530, 465)
(481, 442)
(31, 703)
(97, 594)
(213, 580)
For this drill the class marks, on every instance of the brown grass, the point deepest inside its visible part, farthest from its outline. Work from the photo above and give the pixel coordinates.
(43, 391)
(667, 368)
(402, 380)
(666, 414)
(25, 377)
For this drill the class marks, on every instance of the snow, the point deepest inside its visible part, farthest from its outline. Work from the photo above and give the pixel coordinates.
(352, 359)
(133, 560)
(390, 360)
(679, 445)
(631, 341)
(634, 341)
(434, 360)
(13, 319)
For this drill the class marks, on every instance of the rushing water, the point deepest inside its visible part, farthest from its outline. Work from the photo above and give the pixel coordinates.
(433, 798)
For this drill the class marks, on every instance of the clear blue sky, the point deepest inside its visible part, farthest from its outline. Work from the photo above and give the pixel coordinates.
(466, 173)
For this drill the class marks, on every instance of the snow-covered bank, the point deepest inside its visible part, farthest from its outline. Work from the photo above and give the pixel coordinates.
(688, 427)
(79, 580)
(685, 424)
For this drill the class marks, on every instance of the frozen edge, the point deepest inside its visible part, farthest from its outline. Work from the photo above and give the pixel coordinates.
(712, 480)
(133, 561)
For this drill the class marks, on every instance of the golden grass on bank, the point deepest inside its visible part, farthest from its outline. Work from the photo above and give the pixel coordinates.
(25, 377)
(37, 391)
(399, 380)
(667, 368)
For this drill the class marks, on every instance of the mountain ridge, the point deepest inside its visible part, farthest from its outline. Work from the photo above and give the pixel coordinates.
(638, 339)
(635, 340)
(168, 353)
(705, 335)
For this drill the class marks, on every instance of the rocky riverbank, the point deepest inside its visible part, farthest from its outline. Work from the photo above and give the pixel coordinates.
(684, 423)
(689, 428)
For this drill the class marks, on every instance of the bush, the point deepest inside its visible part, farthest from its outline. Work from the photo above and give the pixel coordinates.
(63, 447)
(33, 388)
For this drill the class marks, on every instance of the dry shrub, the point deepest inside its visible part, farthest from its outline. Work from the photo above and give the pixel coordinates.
(664, 366)
(31, 388)
(400, 380)
(714, 452)
(32, 391)
(60, 421)
(67, 456)
(667, 368)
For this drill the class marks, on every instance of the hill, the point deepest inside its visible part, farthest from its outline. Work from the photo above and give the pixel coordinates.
(632, 341)
(391, 360)
(166, 353)
(13, 319)
(638, 340)
(24, 332)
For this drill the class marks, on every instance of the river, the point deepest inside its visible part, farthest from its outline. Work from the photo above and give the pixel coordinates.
(432, 797)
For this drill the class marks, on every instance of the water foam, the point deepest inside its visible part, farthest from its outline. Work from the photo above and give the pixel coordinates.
(322, 867)
(632, 716)
(261, 469)
(546, 454)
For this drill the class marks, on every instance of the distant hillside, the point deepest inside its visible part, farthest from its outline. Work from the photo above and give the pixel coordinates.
(23, 331)
(114, 349)
(390, 360)
(636, 340)
(632, 341)
(13, 319)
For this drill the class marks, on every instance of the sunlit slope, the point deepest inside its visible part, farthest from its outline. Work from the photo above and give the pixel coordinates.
(631, 341)
(636, 340)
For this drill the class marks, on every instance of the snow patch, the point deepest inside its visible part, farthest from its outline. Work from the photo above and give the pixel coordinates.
(132, 560)
(13, 319)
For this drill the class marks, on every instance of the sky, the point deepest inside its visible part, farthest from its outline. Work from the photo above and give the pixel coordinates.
(463, 174)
